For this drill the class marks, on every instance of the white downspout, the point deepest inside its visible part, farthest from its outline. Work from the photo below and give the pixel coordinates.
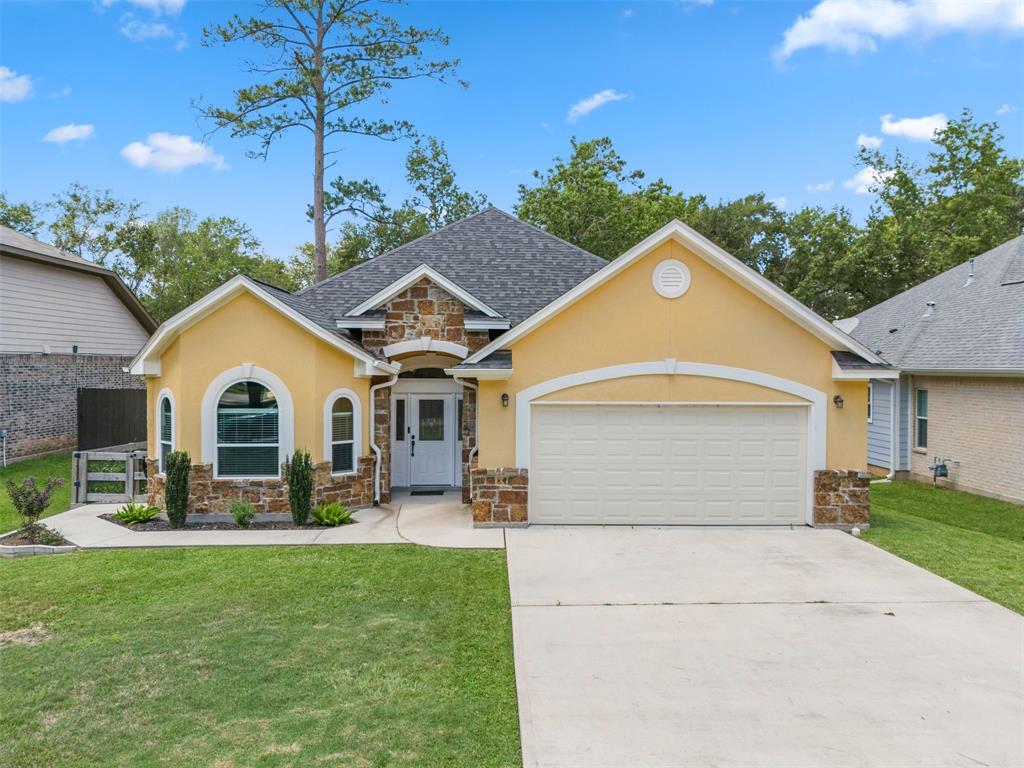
(476, 430)
(373, 428)
(894, 431)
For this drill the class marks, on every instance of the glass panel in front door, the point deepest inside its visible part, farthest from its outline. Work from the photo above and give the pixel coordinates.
(431, 426)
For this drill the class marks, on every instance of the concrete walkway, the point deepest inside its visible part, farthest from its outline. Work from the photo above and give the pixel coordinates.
(433, 521)
(754, 647)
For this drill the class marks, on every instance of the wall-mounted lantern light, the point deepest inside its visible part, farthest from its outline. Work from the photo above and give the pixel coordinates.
(838, 400)
(504, 399)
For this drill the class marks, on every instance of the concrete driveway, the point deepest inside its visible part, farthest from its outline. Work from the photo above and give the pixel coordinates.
(755, 647)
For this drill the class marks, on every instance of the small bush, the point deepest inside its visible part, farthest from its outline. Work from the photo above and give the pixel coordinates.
(332, 514)
(243, 513)
(298, 473)
(132, 513)
(40, 534)
(30, 502)
(178, 467)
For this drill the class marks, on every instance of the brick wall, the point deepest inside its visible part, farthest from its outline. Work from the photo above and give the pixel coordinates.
(978, 422)
(500, 496)
(207, 495)
(468, 439)
(39, 397)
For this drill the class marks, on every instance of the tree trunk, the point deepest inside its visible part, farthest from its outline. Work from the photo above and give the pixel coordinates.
(319, 226)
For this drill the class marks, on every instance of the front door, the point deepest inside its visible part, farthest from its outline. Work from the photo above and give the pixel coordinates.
(430, 440)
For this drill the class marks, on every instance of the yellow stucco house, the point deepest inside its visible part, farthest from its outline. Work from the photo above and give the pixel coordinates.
(673, 385)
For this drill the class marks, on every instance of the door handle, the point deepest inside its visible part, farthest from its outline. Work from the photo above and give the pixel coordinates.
(412, 445)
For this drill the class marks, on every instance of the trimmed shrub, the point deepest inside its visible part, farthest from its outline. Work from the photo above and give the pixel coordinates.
(243, 513)
(30, 501)
(178, 466)
(298, 473)
(132, 513)
(332, 514)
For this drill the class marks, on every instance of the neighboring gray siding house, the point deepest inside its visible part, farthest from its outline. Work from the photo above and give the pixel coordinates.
(65, 324)
(958, 340)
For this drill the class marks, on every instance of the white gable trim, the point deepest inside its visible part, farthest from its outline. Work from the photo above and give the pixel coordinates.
(413, 277)
(711, 253)
(147, 362)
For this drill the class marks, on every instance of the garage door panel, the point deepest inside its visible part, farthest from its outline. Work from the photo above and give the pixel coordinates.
(668, 464)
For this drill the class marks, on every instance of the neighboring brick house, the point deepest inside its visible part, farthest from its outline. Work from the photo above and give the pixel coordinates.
(65, 324)
(958, 340)
(673, 385)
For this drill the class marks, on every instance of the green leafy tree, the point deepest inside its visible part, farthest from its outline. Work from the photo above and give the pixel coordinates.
(22, 217)
(818, 269)
(326, 59)
(752, 228)
(191, 256)
(88, 223)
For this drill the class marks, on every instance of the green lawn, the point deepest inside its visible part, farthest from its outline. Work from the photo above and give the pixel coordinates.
(972, 540)
(278, 656)
(57, 465)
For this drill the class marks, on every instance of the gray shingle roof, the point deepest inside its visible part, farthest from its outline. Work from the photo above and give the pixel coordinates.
(851, 361)
(14, 239)
(513, 267)
(502, 358)
(974, 325)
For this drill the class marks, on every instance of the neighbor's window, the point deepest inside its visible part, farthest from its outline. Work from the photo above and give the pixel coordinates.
(247, 431)
(166, 431)
(342, 435)
(921, 418)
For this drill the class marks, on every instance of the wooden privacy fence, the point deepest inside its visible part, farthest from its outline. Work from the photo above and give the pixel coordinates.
(108, 476)
(110, 417)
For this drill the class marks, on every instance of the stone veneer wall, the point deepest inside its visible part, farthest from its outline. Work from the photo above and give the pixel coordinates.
(841, 498)
(424, 309)
(468, 440)
(500, 496)
(270, 495)
(39, 397)
(382, 437)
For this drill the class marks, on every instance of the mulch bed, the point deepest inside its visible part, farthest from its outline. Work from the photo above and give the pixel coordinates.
(163, 525)
(17, 540)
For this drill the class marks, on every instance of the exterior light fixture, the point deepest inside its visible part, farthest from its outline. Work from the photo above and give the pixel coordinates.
(838, 400)
(504, 399)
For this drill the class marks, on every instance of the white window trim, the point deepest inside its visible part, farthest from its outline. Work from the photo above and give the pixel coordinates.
(357, 429)
(817, 418)
(165, 394)
(917, 419)
(871, 403)
(285, 415)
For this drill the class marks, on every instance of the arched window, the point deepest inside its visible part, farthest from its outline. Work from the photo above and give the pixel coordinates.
(166, 411)
(342, 426)
(247, 431)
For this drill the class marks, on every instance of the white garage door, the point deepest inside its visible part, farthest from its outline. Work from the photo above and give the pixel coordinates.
(668, 464)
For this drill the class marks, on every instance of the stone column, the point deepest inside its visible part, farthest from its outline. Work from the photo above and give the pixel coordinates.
(841, 498)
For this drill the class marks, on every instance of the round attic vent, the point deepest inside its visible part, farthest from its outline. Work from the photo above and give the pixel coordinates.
(671, 278)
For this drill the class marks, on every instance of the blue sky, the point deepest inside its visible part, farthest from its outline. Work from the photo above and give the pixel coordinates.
(718, 98)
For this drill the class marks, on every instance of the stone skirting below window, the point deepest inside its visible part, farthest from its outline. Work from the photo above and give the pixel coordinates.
(841, 498)
(500, 496)
(270, 495)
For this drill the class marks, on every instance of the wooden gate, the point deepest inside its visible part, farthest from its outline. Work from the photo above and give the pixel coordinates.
(108, 476)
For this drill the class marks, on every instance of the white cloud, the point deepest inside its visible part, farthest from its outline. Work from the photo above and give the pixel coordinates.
(858, 26)
(70, 132)
(157, 7)
(627, 13)
(779, 202)
(168, 153)
(821, 186)
(14, 87)
(138, 31)
(871, 142)
(63, 93)
(915, 128)
(1006, 109)
(867, 178)
(585, 106)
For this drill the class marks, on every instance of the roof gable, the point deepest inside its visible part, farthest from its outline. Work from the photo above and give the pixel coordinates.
(731, 267)
(411, 278)
(147, 362)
